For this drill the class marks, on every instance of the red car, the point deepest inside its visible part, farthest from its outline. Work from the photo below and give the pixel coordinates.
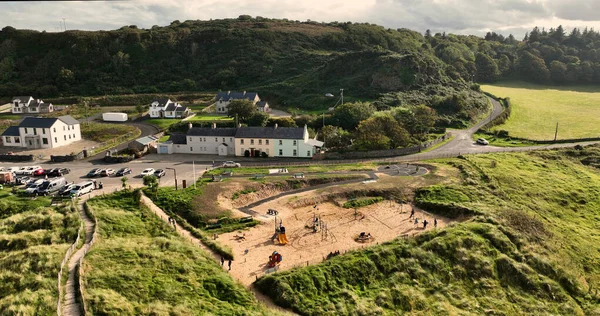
(38, 172)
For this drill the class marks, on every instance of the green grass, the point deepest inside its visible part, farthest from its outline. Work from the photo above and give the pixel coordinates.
(140, 266)
(537, 109)
(530, 247)
(163, 124)
(503, 142)
(164, 138)
(101, 132)
(203, 117)
(33, 241)
(298, 169)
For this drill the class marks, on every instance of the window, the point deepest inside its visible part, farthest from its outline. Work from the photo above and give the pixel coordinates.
(17, 140)
(190, 139)
(25, 130)
(204, 138)
(68, 127)
(252, 142)
(294, 145)
(65, 137)
(54, 129)
(55, 140)
(34, 131)
(241, 141)
(8, 140)
(231, 139)
(295, 153)
(191, 149)
(64, 128)
(267, 151)
(223, 139)
(216, 139)
(308, 153)
(281, 152)
(266, 141)
(69, 136)
(44, 131)
(73, 136)
(260, 141)
(45, 141)
(280, 142)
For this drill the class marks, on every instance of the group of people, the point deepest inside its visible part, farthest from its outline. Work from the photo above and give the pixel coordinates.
(172, 222)
(333, 254)
(425, 222)
(364, 236)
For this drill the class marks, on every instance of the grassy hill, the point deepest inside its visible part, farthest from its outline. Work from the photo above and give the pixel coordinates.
(537, 108)
(33, 241)
(141, 266)
(531, 247)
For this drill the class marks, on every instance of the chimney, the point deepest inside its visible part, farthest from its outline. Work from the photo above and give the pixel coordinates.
(190, 125)
(214, 125)
(276, 125)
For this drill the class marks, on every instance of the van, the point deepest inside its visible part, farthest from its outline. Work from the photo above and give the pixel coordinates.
(82, 188)
(51, 186)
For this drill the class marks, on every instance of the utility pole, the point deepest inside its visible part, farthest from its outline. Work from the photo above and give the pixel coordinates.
(342, 95)
(556, 132)
(64, 24)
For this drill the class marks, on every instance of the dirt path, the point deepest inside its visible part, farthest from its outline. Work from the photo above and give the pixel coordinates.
(71, 304)
(187, 235)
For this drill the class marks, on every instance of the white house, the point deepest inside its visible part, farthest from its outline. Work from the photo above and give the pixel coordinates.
(165, 108)
(263, 106)
(223, 99)
(39, 132)
(28, 105)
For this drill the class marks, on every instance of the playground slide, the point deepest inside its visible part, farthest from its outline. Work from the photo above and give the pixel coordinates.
(282, 239)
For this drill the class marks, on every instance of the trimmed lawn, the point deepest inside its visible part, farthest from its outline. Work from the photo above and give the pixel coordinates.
(163, 124)
(210, 118)
(537, 109)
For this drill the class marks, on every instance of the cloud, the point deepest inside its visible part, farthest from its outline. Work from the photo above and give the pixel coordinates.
(452, 16)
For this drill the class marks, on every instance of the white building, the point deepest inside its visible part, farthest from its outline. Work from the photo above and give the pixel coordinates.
(165, 108)
(29, 105)
(39, 132)
(224, 98)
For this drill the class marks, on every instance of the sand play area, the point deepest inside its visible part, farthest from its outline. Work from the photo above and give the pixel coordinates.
(339, 230)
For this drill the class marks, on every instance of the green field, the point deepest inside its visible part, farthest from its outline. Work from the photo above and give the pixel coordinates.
(33, 241)
(203, 117)
(102, 132)
(537, 109)
(530, 247)
(297, 169)
(140, 266)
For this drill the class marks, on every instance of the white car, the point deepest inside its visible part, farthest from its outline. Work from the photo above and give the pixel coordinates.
(82, 188)
(482, 141)
(21, 170)
(231, 164)
(13, 169)
(31, 170)
(147, 172)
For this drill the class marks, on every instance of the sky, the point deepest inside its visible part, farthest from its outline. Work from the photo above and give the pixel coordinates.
(474, 17)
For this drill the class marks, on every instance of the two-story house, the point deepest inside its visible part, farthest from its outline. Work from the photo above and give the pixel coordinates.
(165, 108)
(28, 105)
(224, 98)
(39, 132)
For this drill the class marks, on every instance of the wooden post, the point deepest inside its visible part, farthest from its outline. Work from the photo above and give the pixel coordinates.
(556, 132)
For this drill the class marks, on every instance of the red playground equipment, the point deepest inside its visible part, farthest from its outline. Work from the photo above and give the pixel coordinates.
(274, 259)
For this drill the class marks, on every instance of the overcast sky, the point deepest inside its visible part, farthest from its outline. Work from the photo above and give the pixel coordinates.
(453, 16)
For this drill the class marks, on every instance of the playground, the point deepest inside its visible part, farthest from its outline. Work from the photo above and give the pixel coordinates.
(299, 232)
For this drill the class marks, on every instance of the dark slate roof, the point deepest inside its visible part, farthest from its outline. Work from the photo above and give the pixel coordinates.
(39, 122)
(262, 104)
(25, 98)
(178, 139)
(181, 108)
(68, 119)
(270, 132)
(235, 95)
(11, 131)
(171, 107)
(207, 131)
(44, 104)
(161, 102)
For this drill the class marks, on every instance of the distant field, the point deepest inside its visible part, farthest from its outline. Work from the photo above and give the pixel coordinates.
(203, 117)
(537, 109)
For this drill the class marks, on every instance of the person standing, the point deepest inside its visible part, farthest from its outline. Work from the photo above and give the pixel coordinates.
(412, 213)
(229, 264)
(425, 222)
(435, 223)
(222, 261)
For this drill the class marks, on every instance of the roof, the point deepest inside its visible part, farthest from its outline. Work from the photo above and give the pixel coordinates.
(11, 131)
(314, 142)
(146, 140)
(161, 102)
(39, 122)
(181, 108)
(25, 98)
(171, 107)
(262, 104)
(235, 95)
(179, 139)
(270, 132)
(207, 131)
(45, 105)
(68, 119)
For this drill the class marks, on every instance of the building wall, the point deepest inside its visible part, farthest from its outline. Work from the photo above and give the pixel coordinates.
(221, 106)
(206, 145)
(262, 144)
(11, 141)
(154, 112)
(60, 134)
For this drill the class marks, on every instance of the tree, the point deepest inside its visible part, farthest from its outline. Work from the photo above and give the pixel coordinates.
(243, 109)
(124, 182)
(282, 122)
(487, 70)
(150, 181)
(258, 119)
(334, 136)
(533, 68)
(349, 115)
(558, 71)
(380, 132)
(425, 118)
(139, 109)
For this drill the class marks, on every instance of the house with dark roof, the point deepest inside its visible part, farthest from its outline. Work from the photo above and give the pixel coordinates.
(165, 108)
(224, 98)
(41, 132)
(28, 105)
(243, 141)
(263, 106)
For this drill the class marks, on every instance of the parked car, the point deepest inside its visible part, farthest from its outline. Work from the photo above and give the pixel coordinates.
(94, 173)
(38, 172)
(482, 141)
(33, 188)
(159, 173)
(13, 169)
(231, 164)
(21, 170)
(123, 171)
(33, 182)
(58, 172)
(22, 180)
(83, 188)
(52, 186)
(31, 170)
(66, 190)
(147, 172)
(107, 172)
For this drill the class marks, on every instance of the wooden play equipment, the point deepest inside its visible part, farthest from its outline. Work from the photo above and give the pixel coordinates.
(274, 259)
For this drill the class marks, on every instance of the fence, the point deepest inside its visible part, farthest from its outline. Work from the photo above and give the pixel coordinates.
(16, 158)
(62, 266)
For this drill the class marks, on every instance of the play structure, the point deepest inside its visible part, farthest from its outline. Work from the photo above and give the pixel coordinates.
(318, 225)
(274, 259)
(280, 233)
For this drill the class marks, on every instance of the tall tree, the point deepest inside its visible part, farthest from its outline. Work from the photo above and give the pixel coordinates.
(487, 70)
(349, 115)
(242, 109)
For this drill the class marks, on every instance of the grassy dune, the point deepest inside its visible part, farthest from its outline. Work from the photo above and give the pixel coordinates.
(33, 242)
(530, 247)
(537, 109)
(140, 266)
